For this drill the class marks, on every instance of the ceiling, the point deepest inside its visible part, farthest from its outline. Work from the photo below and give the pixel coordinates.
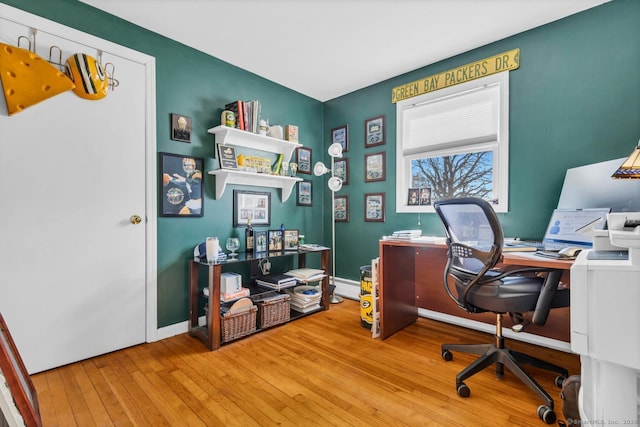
(328, 48)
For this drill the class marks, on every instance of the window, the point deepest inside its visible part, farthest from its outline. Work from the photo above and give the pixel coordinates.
(454, 142)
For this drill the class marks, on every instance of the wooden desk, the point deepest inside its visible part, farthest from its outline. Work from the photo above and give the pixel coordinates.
(411, 277)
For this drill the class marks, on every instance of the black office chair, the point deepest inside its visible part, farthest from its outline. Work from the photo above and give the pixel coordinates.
(475, 239)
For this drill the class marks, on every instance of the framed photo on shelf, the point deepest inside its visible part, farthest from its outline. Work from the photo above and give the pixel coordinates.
(275, 241)
(425, 196)
(341, 169)
(374, 207)
(342, 209)
(20, 393)
(341, 135)
(181, 185)
(374, 131)
(303, 158)
(413, 199)
(374, 167)
(291, 239)
(227, 157)
(260, 240)
(254, 205)
(304, 196)
(180, 127)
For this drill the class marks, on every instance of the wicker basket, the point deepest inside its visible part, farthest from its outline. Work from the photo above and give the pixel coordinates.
(273, 312)
(238, 325)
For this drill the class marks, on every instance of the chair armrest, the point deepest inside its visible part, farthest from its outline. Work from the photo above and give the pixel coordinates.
(547, 294)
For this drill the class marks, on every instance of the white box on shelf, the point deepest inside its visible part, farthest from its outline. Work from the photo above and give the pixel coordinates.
(230, 283)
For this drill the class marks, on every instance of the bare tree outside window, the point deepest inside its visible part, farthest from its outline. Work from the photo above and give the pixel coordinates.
(459, 175)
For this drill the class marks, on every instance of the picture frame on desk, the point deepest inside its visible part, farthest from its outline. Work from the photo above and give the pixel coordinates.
(261, 239)
(291, 240)
(275, 241)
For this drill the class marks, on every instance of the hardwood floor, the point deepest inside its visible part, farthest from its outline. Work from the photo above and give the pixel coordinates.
(320, 370)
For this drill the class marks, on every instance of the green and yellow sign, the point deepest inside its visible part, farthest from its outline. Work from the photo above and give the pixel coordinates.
(495, 64)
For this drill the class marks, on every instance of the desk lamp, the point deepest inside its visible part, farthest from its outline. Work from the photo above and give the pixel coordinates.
(335, 184)
(630, 169)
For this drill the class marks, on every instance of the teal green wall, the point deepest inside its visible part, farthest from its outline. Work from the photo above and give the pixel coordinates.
(574, 100)
(197, 85)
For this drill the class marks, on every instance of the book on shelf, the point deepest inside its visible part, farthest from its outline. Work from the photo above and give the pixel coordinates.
(276, 278)
(244, 292)
(238, 109)
(306, 274)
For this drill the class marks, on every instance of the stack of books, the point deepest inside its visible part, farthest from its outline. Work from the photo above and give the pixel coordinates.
(306, 275)
(247, 114)
(244, 292)
(305, 298)
(276, 281)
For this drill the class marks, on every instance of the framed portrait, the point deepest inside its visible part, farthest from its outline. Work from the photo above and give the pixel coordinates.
(341, 170)
(275, 241)
(342, 209)
(374, 207)
(181, 185)
(341, 135)
(251, 205)
(374, 167)
(180, 127)
(374, 131)
(413, 199)
(304, 196)
(304, 160)
(425, 196)
(291, 239)
(21, 393)
(260, 241)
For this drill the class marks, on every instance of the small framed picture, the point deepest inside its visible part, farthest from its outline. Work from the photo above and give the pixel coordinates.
(374, 131)
(260, 239)
(413, 199)
(425, 196)
(181, 185)
(291, 238)
(303, 158)
(374, 207)
(341, 170)
(341, 135)
(275, 241)
(304, 193)
(374, 167)
(251, 205)
(342, 209)
(180, 128)
(227, 157)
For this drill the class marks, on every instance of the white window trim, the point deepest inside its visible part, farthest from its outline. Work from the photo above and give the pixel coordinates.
(501, 153)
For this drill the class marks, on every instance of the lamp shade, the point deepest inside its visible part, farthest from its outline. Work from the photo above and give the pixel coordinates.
(320, 169)
(334, 183)
(335, 150)
(630, 169)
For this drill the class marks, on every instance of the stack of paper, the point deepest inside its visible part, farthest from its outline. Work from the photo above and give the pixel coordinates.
(305, 298)
(306, 275)
(276, 281)
(406, 234)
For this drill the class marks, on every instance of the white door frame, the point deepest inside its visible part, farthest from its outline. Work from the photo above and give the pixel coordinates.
(40, 24)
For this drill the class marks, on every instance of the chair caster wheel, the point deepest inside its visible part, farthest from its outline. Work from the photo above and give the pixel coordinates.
(560, 380)
(463, 390)
(447, 355)
(546, 414)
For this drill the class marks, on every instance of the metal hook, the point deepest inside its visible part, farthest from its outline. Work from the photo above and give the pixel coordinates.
(59, 64)
(28, 41)
(110, 70)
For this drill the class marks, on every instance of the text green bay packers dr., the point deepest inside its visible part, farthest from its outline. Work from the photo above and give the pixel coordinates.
(495, 64)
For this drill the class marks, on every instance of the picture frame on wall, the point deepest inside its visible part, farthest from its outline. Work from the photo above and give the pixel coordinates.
(275, 241)
(341, 135)
(341, 169)
(254, 205)
(304, 193)
(374, 207)
(374, 129)
(375, 167)
(181, 185)
(291, 240)
(342, 209)
(304, 160)
(180, 127)
(261, 240)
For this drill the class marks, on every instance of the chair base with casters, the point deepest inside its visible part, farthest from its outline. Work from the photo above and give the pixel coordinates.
(502, 356)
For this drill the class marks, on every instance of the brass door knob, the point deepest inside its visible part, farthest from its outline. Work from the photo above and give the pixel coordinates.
(135, 219)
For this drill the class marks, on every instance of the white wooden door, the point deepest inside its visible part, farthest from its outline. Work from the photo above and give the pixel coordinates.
(72, 171)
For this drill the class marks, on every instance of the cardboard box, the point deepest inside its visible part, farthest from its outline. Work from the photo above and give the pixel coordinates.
(291, 133)
(230, 283)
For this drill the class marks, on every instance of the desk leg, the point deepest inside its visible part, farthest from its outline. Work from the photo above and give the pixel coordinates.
(397, 289)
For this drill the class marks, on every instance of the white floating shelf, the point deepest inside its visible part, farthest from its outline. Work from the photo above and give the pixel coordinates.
(232, 136)
(227, 176)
